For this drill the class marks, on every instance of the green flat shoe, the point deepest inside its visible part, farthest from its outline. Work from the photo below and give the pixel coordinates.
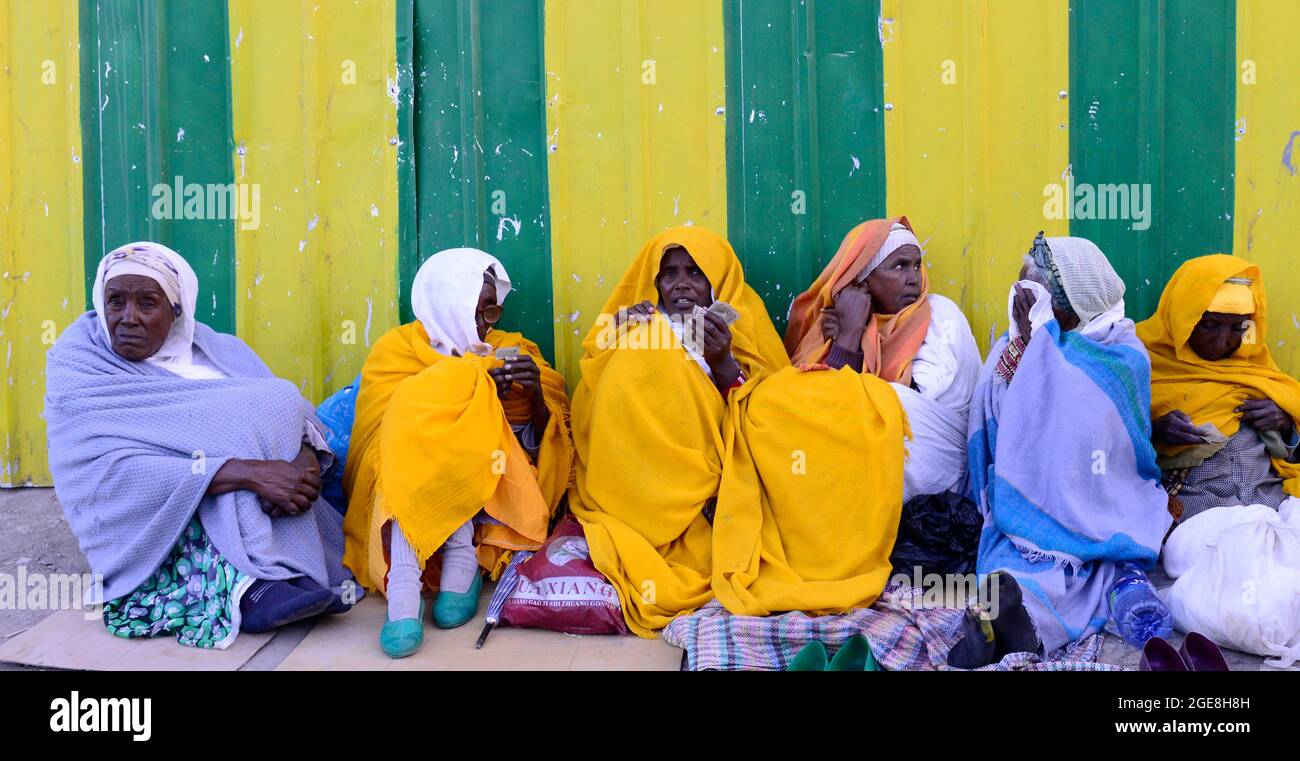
(811, 658)
(452, 609)
(404, 636)
(854, 655)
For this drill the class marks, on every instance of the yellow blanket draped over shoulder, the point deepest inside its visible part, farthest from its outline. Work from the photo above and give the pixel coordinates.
(1210, 392)
(812, 492)
(647, 428)
(811, 495)
(432, 445)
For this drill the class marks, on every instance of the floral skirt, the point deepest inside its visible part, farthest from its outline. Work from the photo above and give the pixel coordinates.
(194, 595)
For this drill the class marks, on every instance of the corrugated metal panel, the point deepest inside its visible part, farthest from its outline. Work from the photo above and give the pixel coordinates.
(315, 131)
(982, 106)
(479, 147)
(1152, 105)
(975, 128)
(156, 113)
(40, 217)
(1267, 220)
(636, 141)
(805, 136)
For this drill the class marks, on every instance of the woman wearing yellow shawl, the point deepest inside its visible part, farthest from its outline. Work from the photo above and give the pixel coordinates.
(460, 448)
(660, 366)
(1223, 413)
(810, 501)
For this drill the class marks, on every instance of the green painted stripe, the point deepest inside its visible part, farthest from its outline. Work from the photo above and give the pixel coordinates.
(148, 71)
(408, 257)
(805, 95)
(1152, 99)
(479, 147)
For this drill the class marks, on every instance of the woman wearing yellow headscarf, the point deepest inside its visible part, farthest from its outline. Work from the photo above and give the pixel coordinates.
(1223, 413)
(812, 495)
(661, 365)
(460, 449)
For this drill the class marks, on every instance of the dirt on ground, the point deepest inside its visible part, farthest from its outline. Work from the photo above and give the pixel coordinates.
(35, 535)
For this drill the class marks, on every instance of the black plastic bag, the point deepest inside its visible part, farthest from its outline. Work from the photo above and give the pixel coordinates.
(939, 533)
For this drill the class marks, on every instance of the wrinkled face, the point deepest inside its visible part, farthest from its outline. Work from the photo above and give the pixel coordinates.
(138, 314)
(896, 283)
(1218, 335)
(488, 311)
(682, 285)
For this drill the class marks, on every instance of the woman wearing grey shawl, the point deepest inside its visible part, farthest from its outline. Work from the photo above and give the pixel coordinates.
(188, 472)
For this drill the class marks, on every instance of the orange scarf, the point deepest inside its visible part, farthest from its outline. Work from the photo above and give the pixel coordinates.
(890, 341)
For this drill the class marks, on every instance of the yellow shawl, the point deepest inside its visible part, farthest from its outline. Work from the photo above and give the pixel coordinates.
(432, 445)
(811, 494)
(1210, 392)
(647, 427)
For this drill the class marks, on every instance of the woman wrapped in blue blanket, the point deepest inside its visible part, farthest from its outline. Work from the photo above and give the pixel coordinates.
(188, 472)
(1061, 462)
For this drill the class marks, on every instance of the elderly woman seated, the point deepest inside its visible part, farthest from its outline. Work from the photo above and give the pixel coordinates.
(460, 449)
(189, 473)
(810, 502)
(1061, 461)
(1225, 427)
(1224, 414)
(678, 335)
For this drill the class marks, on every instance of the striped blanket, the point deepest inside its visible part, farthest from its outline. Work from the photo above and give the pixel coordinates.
(905, 635)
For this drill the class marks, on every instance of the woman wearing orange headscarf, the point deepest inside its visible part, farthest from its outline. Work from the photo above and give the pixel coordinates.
(810, 503)
(661, 365)
(1223, 413)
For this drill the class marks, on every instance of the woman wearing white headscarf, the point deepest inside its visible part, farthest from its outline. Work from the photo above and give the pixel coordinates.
(460, 449)
(188, 472)
(1061, 461)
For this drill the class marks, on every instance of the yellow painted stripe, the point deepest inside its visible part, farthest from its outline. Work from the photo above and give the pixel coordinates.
(315, 130)
(975, 128)
(1266, 226)
(41, 272)
(636, 138)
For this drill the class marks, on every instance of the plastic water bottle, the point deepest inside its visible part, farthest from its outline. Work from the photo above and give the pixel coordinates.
(1137, 610)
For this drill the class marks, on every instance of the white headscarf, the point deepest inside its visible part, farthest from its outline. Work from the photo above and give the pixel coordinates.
(180, 285)
(898, 237)
(1096, 328)
(1090, 282)
(444, 297)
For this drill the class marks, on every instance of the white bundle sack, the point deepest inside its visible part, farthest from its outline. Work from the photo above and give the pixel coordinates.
(1237, 579)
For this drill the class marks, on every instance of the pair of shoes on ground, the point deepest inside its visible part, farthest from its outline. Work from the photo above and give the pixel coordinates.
(853, 655)
(269, 604)
(987, 639)
(405, 636)
(1198, 653)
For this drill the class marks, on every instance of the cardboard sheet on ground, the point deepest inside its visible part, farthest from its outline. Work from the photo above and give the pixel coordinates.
(351, 642)
(68, 639)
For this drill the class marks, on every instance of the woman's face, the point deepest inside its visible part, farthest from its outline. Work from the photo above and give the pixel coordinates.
(896, 283)
(138, 314)
(682, 285)
(488, 311)
(1218, 336)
